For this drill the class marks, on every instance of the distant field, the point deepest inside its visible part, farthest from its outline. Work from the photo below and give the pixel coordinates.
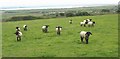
(35, 43)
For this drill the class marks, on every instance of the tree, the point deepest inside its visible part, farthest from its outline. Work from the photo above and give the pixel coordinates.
(105, 10)
(70, 14)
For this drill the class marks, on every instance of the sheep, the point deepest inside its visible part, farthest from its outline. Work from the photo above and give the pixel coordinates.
(45, 28)
(91, 23)
(18, 35)
(84, 23)
(58, 30)
(25, 27)
(84, 34)
(70, 21)
(17, 28)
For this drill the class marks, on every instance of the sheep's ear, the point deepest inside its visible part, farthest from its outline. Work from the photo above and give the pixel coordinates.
(91, 33)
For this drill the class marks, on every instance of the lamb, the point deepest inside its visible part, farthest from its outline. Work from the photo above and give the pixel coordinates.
(45, 28)
(25, 27)
(91, 23)
(58, 30)
(18, 35)
(70, 21)
(84, 34)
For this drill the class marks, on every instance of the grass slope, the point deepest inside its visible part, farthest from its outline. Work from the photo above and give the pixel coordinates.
(35, 43)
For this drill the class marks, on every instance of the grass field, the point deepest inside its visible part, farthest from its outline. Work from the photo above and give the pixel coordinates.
(35, 43)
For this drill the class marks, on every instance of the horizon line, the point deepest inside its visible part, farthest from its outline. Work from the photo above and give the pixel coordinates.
(51, 7)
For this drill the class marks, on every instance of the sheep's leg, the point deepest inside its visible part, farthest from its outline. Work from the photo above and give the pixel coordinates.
(82, 39)
(58, 32)
(84, 25)
(93, 25)
(88, 25)
(81, 24)
(43, 30)
(86, 40)
(17, 38)
(46, 30)
(24, 29)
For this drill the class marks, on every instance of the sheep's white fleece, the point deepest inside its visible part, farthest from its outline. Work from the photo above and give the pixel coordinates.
(82, 34)
(24, 26)
(43, 27)
(57, 29)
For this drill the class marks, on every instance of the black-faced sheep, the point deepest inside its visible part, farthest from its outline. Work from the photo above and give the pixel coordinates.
(18, 35)
(17, 28)
(84, 23)
(70, 21)
(45, 28)
(25, 27)
(58, 30)
(84, 34)
(91, 23)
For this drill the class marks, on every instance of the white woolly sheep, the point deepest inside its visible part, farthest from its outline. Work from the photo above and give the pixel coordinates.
(45, 28)
(84, 23)
(25, 27)
(91, 23)
(70, 21)
(84, 34)
(58, 30)
(18, 35)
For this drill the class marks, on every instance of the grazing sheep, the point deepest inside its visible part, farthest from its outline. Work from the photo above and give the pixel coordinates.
(18, 35)
(25, 27)
(84, 34)
(91, 23)
(70, 21)
(58, 30)
(17, 28)
(84, 23)
(45, 28)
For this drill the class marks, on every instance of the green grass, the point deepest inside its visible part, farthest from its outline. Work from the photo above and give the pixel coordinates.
(35, 43)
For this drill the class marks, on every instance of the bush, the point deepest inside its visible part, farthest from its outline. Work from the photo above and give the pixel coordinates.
(19, 18)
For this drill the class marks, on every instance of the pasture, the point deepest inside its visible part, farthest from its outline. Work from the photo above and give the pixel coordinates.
(35, 43)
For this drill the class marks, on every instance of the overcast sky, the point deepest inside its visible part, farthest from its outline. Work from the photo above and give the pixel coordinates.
(23, 3)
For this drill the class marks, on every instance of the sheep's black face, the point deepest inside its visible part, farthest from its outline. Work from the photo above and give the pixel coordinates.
(88, 33)
(90, 19)
(17, 27)
(26, 26)
(86, 22)
(47, 26)
(93, 22)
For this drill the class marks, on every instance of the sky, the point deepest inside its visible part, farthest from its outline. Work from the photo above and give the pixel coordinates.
(36, 3)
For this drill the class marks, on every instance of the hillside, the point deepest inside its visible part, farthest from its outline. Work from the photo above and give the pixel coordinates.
(35, 43)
